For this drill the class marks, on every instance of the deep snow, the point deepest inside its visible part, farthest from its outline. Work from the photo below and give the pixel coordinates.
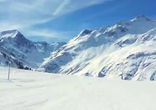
(28, 90)
(126, 50)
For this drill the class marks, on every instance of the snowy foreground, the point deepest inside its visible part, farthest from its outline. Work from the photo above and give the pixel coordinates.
(42, 91)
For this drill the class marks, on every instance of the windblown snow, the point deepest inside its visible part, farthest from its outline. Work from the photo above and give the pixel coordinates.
(126, 50)
(28, 90)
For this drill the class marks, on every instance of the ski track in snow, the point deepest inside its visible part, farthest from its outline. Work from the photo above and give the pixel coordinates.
(28, 90)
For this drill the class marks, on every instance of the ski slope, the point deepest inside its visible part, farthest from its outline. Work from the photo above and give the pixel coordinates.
(28, 90)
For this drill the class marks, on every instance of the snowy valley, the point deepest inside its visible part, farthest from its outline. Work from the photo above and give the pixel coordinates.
(77, 55)
(28, 90)
(126, 50)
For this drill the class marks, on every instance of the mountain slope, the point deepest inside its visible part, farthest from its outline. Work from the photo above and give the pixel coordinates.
(126, 50)
(29, 90)
(21, 52)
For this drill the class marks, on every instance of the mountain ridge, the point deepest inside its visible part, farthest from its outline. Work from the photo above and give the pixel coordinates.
(125, 50)
(86, 54)
(23, 52)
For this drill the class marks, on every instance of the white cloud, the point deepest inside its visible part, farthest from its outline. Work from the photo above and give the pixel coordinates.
(61, 7)
(48, 34)
(35, 11)
(8, 26)
(72, 5)
(23, 14)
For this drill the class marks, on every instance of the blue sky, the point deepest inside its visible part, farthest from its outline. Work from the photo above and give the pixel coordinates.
(61, 20)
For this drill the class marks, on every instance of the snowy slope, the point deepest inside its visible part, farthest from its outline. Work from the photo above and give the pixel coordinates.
(23, 52)
(40, 91)
(126, 50)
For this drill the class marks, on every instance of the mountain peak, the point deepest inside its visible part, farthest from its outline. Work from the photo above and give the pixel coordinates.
(85, 32)
(140, 18)
(10, 34)
(16, 38)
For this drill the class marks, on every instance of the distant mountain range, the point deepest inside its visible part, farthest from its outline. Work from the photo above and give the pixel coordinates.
(23, 53)
(126, 50)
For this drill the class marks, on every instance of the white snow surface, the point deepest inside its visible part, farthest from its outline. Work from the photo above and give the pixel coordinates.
(21, 52)
(28, 90)
(126, 50)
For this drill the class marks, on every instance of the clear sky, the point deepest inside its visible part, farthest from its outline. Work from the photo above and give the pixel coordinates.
(61, 20)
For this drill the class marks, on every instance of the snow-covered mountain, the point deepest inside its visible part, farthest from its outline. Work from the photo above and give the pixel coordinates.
(126, 50)
(21, 52)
